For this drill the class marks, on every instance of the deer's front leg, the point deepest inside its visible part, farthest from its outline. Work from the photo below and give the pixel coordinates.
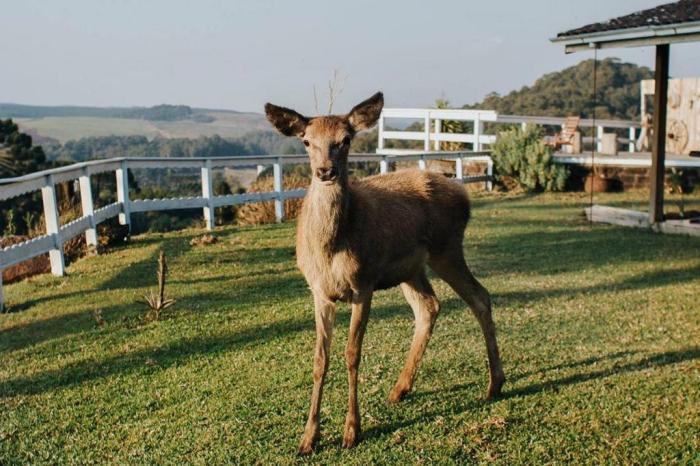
(325, 317)
(358, 323)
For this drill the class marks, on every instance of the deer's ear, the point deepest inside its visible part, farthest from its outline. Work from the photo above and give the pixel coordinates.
(287, 121)
(365, 114)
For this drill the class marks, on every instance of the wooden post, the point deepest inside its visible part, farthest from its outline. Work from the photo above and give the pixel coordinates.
(459, 168)
(48, 195)
(632, 136)
(478, 128)
(277, 181)
(658, 148)
(208, 195)
(438, 130)
(489, 173)
(88, 208)
(383, 165)
(122, 174)
(599, 139)
(380, 132)
(426, 139)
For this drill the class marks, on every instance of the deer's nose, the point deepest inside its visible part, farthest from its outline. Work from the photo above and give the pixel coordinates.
(326, 173)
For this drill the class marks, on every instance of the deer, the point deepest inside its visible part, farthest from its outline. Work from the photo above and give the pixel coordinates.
(354, 238)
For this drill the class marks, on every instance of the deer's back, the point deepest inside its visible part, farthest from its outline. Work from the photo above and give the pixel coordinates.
(399, 219)
(408, 208)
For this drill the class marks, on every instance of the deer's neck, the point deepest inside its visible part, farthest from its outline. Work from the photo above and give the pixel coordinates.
(327, 214)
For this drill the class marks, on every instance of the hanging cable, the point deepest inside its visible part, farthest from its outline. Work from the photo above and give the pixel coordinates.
(595, 131)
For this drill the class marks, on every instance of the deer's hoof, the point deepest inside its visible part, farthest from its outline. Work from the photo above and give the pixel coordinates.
(306, 447)
(308, 442)
(350, 437)
(397, 394)
(495, 387)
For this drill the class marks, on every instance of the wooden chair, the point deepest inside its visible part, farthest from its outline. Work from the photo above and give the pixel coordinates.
(566, 136)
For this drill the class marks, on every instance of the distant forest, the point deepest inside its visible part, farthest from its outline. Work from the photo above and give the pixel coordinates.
(570, 92)
(254, 143)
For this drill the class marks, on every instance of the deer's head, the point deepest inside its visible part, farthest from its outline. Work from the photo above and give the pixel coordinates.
(327, 138)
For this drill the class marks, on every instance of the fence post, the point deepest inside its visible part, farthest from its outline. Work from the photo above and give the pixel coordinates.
(88, 208)
(421, 162)
(123, 194)
(438, 130)
(478, 128)
(2, 296)
(426, 138)
(48, 195)
(632, 136)
(489, 173)
(599, 139)
(208, 195)
(277, 181)
(383, 165)
(459, 169)
(380, 132)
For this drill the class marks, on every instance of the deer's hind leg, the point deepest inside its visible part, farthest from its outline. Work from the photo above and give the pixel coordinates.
(425, 305)
(452, 268)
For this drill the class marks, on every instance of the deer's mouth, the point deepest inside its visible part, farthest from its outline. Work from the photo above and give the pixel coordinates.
(327, 175)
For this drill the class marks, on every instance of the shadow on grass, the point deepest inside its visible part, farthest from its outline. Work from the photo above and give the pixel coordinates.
(138, 272)
(172, 353)
(570, 250)
(142, 271)
(456, 399)
(648, 280)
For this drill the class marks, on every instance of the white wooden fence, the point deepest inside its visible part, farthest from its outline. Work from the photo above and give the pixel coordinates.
(433, 118)
(57, 234)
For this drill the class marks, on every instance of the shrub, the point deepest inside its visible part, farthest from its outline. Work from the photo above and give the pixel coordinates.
(522, 155)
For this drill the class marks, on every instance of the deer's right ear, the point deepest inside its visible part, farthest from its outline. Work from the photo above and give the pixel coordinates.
(287, 121)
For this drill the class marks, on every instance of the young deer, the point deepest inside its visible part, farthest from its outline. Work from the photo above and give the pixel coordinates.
(379, 232)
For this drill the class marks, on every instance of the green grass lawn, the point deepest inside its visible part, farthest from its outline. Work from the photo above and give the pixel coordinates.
(599, 329)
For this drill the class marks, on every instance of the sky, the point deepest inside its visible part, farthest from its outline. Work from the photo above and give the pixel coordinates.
(239, 54)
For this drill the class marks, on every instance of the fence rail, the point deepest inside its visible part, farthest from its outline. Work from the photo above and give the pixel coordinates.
(57, 234)
(433, 118)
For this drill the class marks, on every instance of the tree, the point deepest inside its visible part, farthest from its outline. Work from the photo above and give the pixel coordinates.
(569, 92)
(18, 157)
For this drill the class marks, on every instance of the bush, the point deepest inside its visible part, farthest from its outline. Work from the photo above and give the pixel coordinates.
(257, 213)
(522, 155)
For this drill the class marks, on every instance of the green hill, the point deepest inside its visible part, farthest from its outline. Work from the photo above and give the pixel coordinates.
(163, 112)
(570, 92)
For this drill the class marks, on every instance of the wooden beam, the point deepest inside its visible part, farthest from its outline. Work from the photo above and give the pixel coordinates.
(658, 149)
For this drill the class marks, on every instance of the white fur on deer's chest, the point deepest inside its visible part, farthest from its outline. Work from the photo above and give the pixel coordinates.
(334, 276)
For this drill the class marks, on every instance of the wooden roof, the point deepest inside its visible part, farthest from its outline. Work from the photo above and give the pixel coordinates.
(683, 11)
(665, 24)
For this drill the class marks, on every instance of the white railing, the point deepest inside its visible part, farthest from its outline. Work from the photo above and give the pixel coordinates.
(432, 124)
(433, 118)
(57, 234)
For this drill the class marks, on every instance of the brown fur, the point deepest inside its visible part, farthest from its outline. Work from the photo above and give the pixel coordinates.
(380, 232)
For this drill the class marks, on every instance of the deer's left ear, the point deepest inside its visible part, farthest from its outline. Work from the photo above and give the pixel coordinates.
(365, 114)
(287, 121)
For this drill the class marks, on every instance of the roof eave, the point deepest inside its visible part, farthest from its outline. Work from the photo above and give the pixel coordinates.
(632, 37)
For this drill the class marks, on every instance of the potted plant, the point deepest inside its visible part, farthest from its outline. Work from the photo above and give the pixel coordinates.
(598, 182)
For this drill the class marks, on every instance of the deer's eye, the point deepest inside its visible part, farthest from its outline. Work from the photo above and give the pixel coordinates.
(346, 140)
(306, 142)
